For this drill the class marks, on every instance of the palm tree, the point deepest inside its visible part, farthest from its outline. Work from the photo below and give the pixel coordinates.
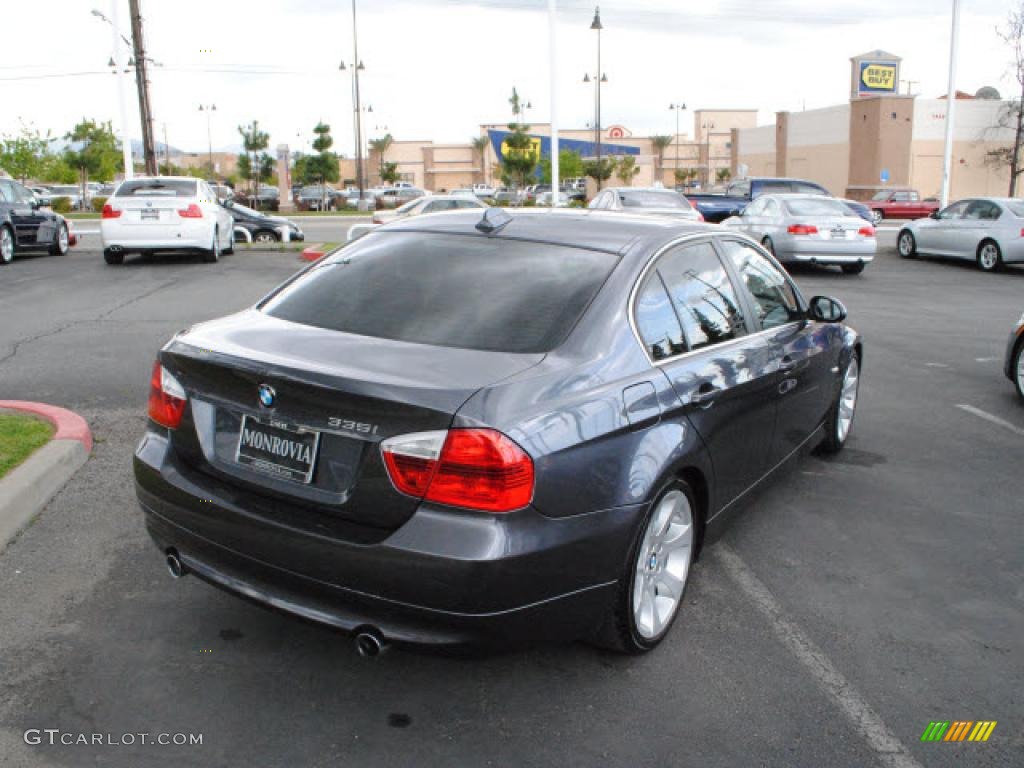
(660, 144)
(380, 146)
(723, 175)
(480, 147)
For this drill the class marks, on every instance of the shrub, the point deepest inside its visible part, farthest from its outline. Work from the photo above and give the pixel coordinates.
(98, 203)
(61, 204)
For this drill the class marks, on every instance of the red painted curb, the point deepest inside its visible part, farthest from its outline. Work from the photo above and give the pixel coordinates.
(70, 426)
(312, 254)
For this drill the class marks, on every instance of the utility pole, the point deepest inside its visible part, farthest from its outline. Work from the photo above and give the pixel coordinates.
(167, 152)
(552, 69)
(947, 157)
(142, 82)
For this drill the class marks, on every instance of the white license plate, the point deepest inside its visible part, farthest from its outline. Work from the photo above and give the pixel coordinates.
(149, 215)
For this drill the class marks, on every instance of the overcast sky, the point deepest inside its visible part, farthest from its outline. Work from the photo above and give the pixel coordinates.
(436, 69)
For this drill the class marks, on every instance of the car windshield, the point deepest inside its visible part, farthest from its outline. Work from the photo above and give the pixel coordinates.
(652, 198)
(450, 291)
(817, 207)
(65, 190)
(247, 210)
(407, 207)
(156, 188)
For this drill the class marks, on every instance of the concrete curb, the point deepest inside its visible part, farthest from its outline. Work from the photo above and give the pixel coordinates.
(27, 489)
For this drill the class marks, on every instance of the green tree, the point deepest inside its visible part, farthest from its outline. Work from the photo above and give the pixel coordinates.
(254, 141)
(599, 170)
(480, 147)
(521, 155)
(570, 166)
(722, 175)
(93, 152)
(23, 156)
(389, 173)
(660, 144)
(626, 168)
(381, 146)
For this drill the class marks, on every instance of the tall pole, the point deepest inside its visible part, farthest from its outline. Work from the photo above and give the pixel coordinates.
(596, 24)
(676, 141)
(142, 82)
(552, 68)
(126, 144)
(359, 114)
(947, 158)
(167, 151)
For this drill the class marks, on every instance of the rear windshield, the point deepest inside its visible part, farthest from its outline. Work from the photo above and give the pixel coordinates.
(1016, 207)
(822, 207)
(449, 290)
(653, 199)
(156, 188)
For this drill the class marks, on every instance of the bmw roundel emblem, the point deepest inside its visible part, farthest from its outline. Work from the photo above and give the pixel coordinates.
(267, 395)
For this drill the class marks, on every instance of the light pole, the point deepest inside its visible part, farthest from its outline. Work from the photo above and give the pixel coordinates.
(947, 154)
(117, 61)
(677, 108)
(357, 67)
(708, 127)
(599, 78)
(209, 109)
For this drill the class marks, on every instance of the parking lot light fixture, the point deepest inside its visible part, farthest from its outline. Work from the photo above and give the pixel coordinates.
(677, 108)
(209, 109)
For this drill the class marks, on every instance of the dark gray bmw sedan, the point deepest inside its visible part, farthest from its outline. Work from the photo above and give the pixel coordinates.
(463, 430)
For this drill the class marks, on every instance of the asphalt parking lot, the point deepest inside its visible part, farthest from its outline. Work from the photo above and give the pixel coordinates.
(856, 600)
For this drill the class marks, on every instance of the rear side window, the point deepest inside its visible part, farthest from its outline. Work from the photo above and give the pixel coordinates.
(449, 291)
(702, 294)
(157, 188)
(656, 320)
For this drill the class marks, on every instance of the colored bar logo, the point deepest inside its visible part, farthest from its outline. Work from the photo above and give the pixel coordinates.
(958, 730)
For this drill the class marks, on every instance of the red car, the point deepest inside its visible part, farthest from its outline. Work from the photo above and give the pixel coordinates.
(900, 204)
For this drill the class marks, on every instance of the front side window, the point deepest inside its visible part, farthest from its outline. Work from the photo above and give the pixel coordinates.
(448, 290)
(756, 208)
(982, 210)
(656, 320)
(773, 295)
(702, 294)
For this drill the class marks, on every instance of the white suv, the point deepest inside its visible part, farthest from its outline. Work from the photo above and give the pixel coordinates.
(165, 213)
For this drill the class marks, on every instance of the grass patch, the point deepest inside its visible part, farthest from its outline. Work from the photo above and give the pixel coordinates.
(19, 437)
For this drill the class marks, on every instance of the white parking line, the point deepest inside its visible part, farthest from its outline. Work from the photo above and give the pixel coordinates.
(890, 750)
(990, 418)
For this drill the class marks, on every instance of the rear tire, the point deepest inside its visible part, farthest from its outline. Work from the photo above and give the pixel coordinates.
(853, 269)
(839, 423)
(113, 257)
(231, 245)
(6, 245)
(61, 243)
(212, 256)
(877, 216)
(1017, 369)
(265, 236)
(661, 558)
(989, 256)
(906, 244)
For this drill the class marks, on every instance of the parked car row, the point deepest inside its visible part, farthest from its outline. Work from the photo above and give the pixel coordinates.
(25, 226)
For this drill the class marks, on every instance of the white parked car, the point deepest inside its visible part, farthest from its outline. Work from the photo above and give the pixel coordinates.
(165, 213)
(483, 190)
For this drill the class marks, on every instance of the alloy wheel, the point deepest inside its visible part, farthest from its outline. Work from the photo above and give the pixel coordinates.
(1020, 369)
(6, 246)
(663, 565)
(62, 240)
(876, 217)
(906, 244)
(988, 257)
(848, 400)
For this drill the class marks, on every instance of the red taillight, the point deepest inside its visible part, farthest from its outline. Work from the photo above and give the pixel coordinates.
(470, 468)
(166, 398)
(802, 229)
(1022, 233)
(109, 212)
(192, 212)
(866, 231)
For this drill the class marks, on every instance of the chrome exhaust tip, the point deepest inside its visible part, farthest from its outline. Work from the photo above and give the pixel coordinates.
(369, 643)
(174, 565)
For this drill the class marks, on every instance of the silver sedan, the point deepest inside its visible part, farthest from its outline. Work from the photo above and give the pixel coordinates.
(651, 200)
(986, 230)
(809, 228)
(417, 207)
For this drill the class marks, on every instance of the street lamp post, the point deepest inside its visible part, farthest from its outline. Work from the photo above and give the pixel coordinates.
(708, 127)
(677, 108)
(209, 109)
(117, 61)
(357, 67)
(599, 78)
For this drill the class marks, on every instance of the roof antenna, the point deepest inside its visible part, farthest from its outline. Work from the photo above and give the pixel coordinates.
(493, 220)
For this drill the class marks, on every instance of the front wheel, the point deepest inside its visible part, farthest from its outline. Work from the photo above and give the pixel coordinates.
(653, 584)
(265, 236)
(6, 245)
(990, 258)
(231, 245)
(213, 255)
(61, 243)
(906, 244)
(876, 217)
(840, 418)
(1018, 369)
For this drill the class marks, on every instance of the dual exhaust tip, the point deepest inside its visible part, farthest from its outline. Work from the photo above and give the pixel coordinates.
(369, 640)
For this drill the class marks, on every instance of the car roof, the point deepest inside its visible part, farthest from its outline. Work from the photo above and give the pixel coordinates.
(643, 189)
(799, 196)
(163, 178)
(579, 227)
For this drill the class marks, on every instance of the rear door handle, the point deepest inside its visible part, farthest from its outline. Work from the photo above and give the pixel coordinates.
(788, 364)
(705, 395)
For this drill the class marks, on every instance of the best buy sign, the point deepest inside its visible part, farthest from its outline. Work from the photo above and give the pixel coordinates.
(877, 78)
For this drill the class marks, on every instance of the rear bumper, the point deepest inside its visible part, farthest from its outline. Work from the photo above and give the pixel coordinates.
(444, 578)
(187, 235)
(824, 252)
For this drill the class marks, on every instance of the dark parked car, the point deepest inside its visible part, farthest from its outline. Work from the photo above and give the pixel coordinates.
(719, 207)
(1014, 365)
(515, 427)
(261, 227)
(25, 226)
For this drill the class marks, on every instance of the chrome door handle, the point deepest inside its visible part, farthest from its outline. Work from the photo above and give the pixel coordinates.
(788, 364)
(705, 396)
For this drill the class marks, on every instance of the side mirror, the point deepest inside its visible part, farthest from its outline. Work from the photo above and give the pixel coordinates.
(825, 309)
(33, 204)
(933, 215)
